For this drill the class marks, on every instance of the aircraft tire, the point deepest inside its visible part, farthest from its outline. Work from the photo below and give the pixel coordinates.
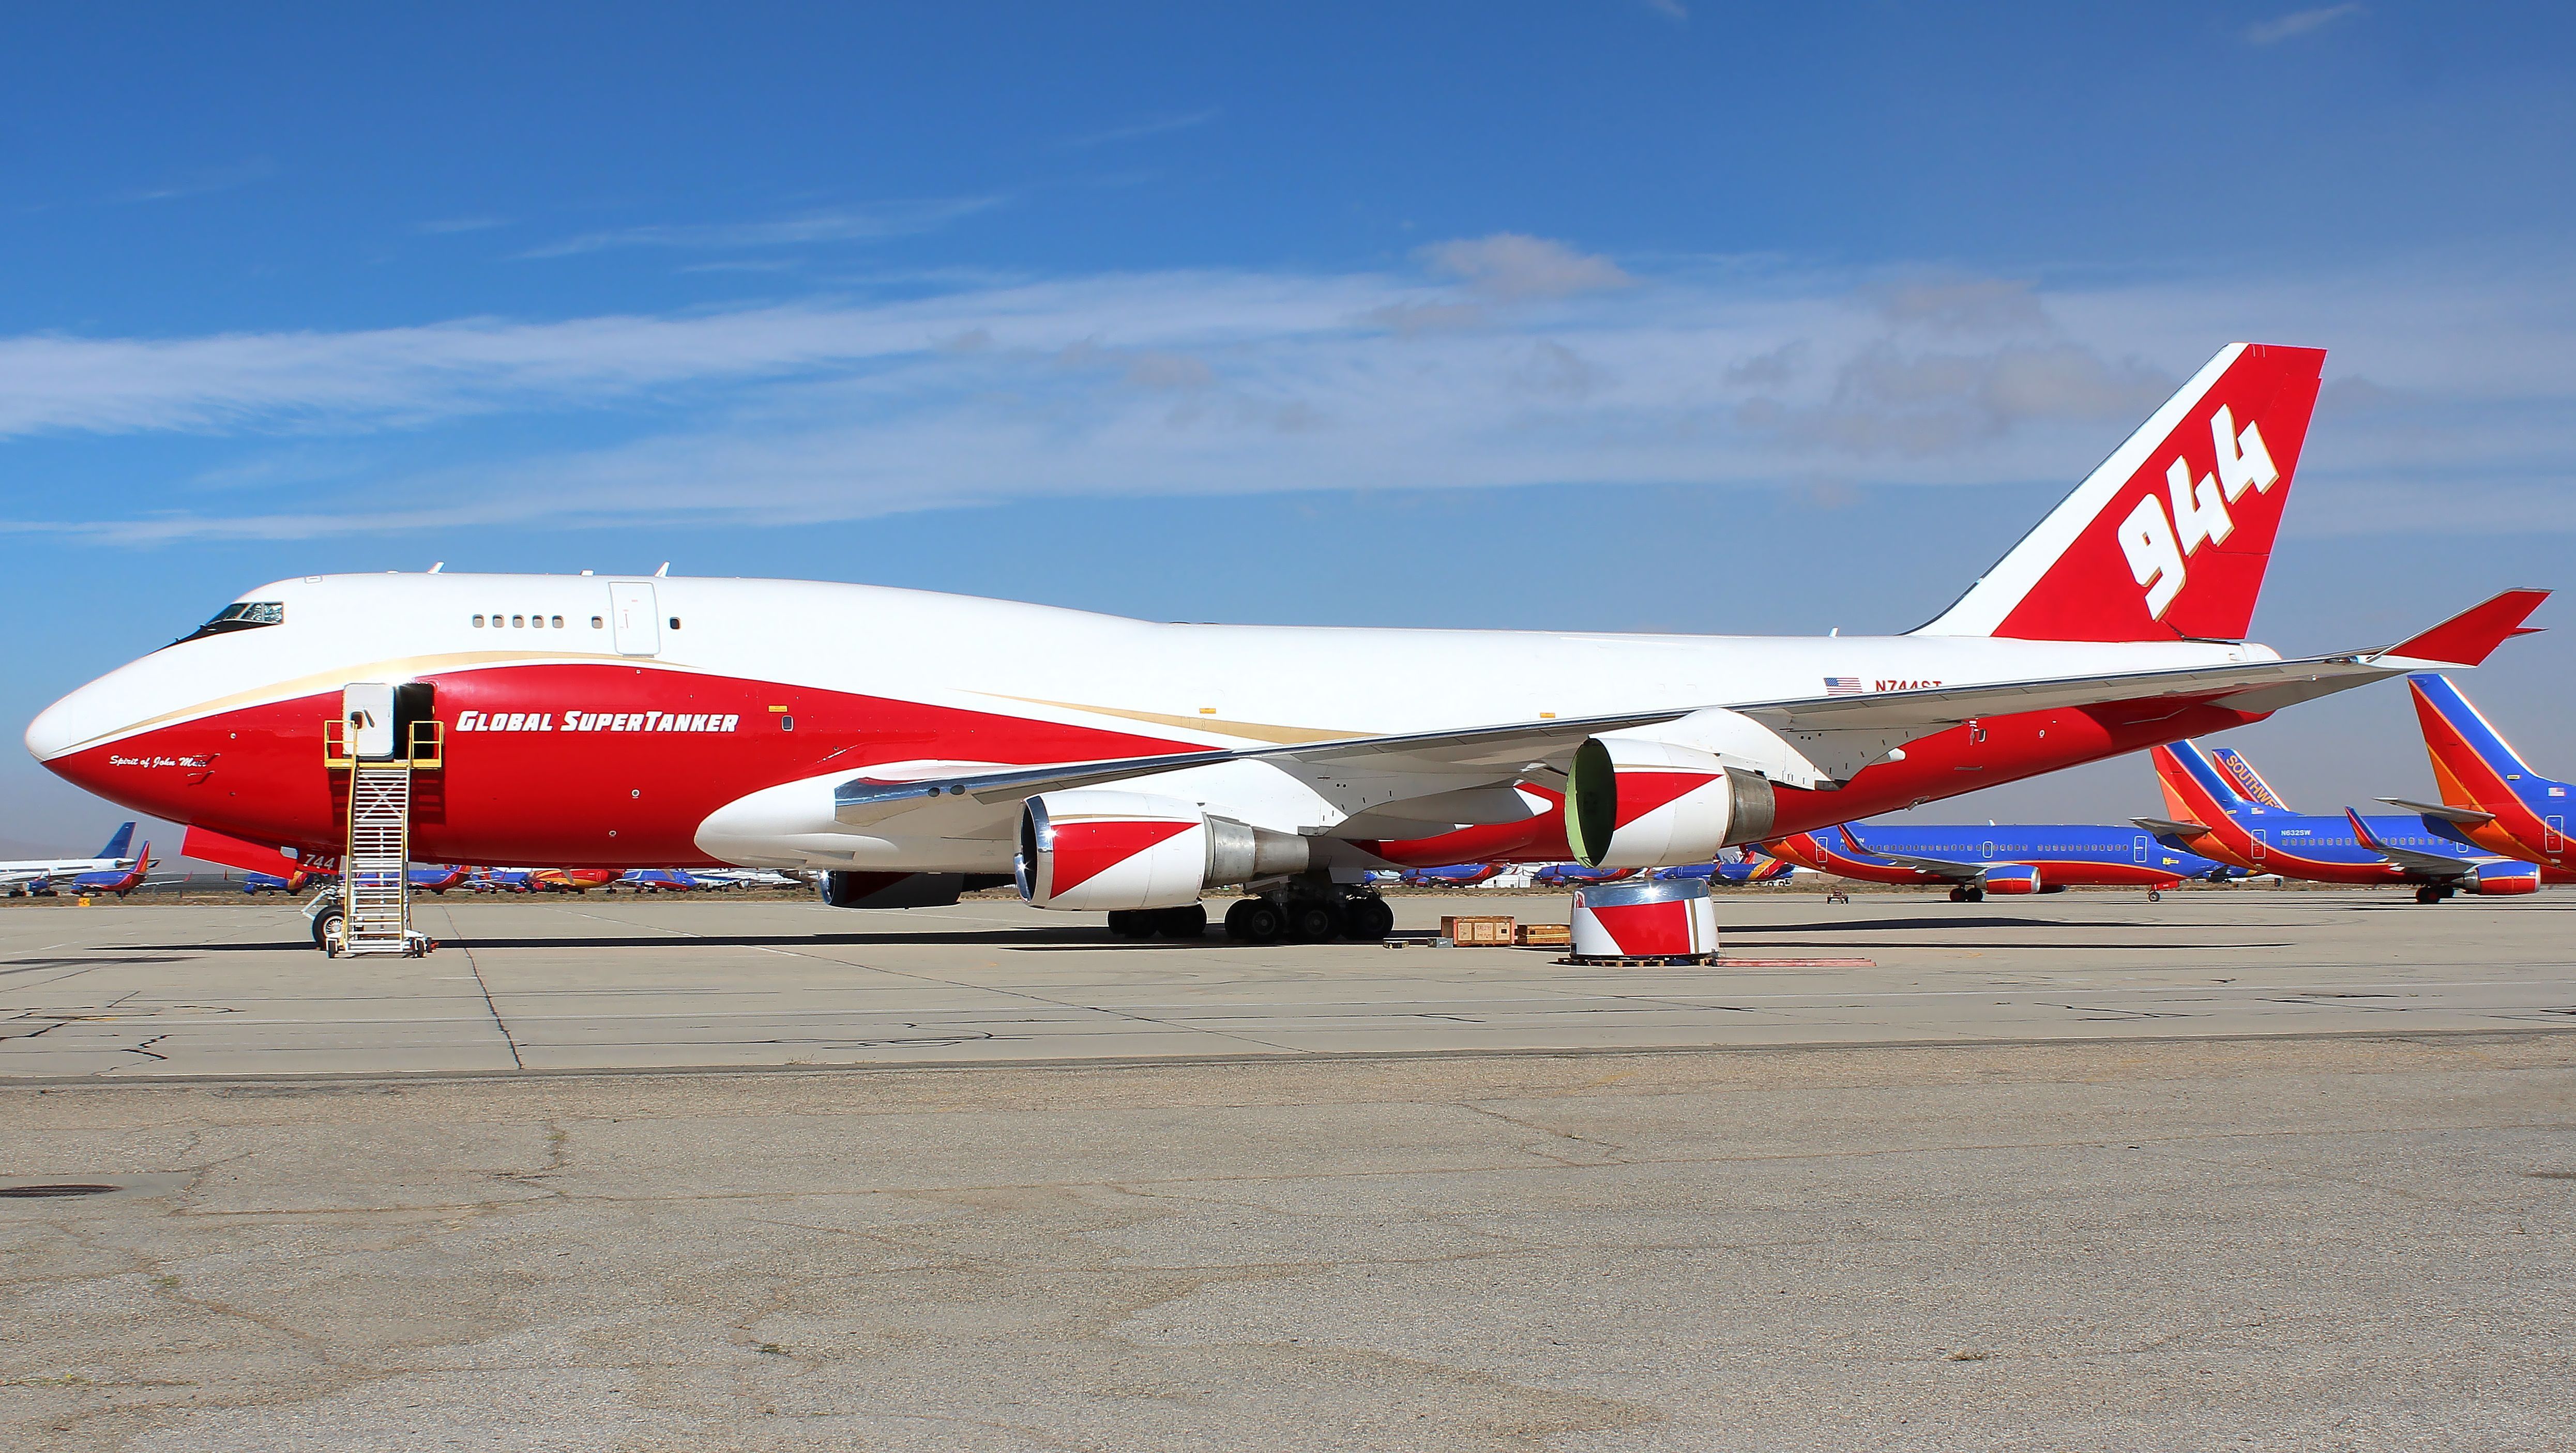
(2155, 895)
(2428, 894)
(322, 922)
(1185, 922)
(1368, 919)
(1132, 922)
(1254, 920)
(1975, 895)
(1311, 922)
(1958, 895)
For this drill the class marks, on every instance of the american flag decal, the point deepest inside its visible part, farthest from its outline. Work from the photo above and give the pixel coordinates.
(1842, 686)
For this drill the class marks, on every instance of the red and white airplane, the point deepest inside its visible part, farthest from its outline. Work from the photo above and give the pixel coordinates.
(908, 743)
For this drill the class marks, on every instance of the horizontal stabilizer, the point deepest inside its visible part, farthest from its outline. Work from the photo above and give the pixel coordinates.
(2468, 638)
(2464, 816)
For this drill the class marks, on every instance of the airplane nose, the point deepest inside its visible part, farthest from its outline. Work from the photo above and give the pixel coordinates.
(57, 728)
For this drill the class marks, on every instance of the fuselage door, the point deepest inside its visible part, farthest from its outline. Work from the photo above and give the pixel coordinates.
(2261, 842)
(635, 617)
(367, 709)
(2138, 849)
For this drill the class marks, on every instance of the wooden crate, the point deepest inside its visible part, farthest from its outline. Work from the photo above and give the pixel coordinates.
(1478, 930)
(1546, 935)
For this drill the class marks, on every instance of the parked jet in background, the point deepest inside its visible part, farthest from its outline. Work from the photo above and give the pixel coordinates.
(1750, 869)
(37, 876)
(2488, 792)
(1561, 874)
(2212, 815)
(2011, 858)
(541, 880)
(1455, 875)
(119, 881)
(658, 880)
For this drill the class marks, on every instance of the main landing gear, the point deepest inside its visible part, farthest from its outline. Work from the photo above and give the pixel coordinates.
(1306, 915)
(1967, 895)
(2431, 893)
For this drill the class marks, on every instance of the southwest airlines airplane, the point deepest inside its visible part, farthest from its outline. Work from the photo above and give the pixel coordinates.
(2488, 792)
(2228, 813)
(2012, 858)
(911, 744)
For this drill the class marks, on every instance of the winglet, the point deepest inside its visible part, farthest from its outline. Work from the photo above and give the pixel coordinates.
(2362, 834)
(2468, 638)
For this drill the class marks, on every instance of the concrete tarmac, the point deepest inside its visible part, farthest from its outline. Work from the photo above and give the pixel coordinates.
(2234, 1170)
(622, 983)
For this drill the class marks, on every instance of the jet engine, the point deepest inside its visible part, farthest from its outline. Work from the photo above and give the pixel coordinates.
(2013, 879)
(2505, 880)
(1098, 848)
(1637, 802)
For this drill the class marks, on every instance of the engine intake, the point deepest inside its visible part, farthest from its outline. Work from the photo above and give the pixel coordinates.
(1095, 849)
(1635, 802)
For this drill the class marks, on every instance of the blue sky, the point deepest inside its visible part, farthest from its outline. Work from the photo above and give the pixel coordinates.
(1292, 313)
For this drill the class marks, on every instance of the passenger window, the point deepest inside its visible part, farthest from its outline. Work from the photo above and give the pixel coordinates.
(559, 623)
(518, 622)
(478, 622)
(675, 623)
(596, 623)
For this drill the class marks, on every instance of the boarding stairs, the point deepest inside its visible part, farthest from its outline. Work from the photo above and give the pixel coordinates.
(374, 908)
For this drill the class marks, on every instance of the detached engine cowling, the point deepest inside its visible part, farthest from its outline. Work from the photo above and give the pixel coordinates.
(1095, 849)
(2506, 880)
(1634, 802)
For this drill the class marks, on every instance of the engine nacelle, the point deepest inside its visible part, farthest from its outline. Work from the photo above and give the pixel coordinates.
(1635, 802)
(2507, 880)
(2013, 879)
(1099, 848)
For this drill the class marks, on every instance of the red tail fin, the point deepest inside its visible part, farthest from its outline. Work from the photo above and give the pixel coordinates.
(2169, 537)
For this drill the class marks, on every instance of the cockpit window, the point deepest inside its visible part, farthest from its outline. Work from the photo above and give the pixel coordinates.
(241, 615)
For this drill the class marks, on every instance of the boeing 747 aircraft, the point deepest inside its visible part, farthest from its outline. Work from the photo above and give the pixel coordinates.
(1120, 765)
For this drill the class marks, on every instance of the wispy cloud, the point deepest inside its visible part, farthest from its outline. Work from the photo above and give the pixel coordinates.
(1139, 130)
(873, 223)
(1713, 372)
(2301, 22)
(202, 182)
(1512, 265)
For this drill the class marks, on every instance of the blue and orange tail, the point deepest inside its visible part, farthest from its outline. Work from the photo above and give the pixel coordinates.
(2472, 762)
(122, 839)
(2247, 780)
(2194, 787)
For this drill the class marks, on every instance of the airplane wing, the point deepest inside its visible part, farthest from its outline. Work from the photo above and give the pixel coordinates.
(2168, 827)
(1937, 867)
(2464, 816)
(2430, 865)
(1838, 734)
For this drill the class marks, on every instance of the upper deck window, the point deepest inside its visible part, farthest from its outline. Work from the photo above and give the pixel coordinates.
(241, 615)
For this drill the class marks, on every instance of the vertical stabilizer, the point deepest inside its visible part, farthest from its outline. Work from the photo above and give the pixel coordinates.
(2169, 538)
